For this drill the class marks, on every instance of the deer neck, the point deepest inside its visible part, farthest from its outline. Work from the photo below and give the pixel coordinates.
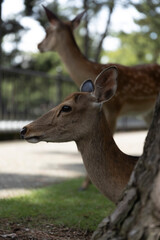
(108, 168)
(74, 60)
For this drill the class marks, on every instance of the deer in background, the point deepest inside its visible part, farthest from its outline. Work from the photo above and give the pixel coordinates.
(81, 118)
(137, 88)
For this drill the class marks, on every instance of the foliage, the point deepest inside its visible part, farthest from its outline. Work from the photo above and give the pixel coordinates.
(141, 46)
(89, 44)
(61, 204)
(10, 28)
(134, 49)
(45, 62)
(150, 24)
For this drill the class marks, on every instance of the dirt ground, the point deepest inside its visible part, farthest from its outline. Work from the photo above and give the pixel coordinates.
(24, 231)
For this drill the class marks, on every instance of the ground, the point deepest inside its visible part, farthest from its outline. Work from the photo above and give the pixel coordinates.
(27, 166)
(24, 231)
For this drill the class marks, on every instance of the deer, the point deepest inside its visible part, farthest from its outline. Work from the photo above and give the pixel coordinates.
(138, 85)
(81, 118)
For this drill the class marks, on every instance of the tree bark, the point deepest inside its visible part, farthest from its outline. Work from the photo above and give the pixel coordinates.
(137, 215)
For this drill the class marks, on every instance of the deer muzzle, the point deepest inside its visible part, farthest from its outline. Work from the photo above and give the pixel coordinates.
(31, 139)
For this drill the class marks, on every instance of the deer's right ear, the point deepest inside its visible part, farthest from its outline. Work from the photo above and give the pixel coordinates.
(106, 84)
(53, 19)
(87, 86)
(76, 21)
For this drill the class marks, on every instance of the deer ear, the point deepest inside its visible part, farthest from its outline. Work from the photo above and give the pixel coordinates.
(87, 86)
(53, 19)
(106, 84)
(76, 21)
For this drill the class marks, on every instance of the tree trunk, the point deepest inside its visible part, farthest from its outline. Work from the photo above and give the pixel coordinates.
(86, 37)
(105, 33)
(137, 215)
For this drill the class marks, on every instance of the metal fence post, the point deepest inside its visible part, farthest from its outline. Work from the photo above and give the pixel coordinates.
(1, 104)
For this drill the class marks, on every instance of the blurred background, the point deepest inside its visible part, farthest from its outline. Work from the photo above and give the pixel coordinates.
(31, 83)
(118, 31)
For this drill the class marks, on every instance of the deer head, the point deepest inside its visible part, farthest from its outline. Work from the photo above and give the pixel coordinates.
(57, 30)
(74, 118)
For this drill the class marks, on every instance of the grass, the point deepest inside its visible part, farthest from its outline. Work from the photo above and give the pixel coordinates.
(61, 204)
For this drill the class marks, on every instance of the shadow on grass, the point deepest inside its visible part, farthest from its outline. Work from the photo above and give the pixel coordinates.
(59, 204)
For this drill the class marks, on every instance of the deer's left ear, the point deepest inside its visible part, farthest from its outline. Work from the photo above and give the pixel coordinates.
(52, 17)
(87, 86)
(106, 84)
(76, 21)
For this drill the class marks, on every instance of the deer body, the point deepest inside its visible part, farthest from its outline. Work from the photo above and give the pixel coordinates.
(138, 86)
(81, 118)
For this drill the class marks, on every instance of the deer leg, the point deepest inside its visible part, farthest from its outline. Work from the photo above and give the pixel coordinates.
(85, 183)
(148, 118)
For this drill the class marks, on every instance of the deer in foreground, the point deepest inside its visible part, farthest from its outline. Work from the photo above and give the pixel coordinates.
(138, 86)
(81, 118)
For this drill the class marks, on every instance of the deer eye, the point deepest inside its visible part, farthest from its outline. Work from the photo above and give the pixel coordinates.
(66, 108)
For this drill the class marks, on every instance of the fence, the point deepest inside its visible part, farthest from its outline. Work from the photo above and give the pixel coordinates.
(28, 94)
(25, 95)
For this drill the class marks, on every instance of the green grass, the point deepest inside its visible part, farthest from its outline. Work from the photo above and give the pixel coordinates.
(61, 204)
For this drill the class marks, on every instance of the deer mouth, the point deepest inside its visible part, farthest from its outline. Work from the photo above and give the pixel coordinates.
(34, 139)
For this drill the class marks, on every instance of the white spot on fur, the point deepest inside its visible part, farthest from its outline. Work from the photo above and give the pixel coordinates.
(96, 104)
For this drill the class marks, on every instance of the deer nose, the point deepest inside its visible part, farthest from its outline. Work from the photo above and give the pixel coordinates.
(23, 132)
